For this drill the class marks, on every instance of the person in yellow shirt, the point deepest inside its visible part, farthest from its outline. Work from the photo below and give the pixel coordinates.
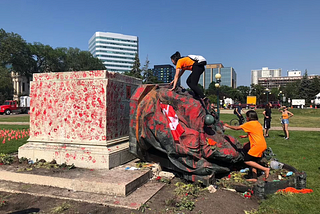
(257, 143)
(195, 64)
(285, 115)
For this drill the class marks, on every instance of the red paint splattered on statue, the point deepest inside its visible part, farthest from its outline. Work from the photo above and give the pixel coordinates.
(66, 108)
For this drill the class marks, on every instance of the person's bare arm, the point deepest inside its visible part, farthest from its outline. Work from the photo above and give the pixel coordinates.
(178, 74)
(281, 108)
(264, 113)
(232, 127)
(290, 114)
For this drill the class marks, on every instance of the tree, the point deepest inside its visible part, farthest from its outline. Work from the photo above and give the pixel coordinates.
(315, 86)
(292, 90)
(224, 91)
(257, 90)
(43, 56)
(6, 86)
(304, 88)
(244, 90)
(148, 77)
(26, 58)
(212, 90)
(77, 60)
(15, 52)
(135, 71)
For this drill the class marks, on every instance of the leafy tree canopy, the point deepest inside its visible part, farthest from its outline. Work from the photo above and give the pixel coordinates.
(135, 71)
(26, 58)
(148, 76)
(6, 86)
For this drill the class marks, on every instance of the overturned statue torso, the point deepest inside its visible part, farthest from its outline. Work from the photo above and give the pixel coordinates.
(168, 127)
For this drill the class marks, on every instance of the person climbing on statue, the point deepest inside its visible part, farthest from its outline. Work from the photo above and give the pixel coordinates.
(193, 63)
(257, 143)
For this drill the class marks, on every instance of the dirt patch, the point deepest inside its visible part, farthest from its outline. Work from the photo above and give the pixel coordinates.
(165, 201)
(170, 199)
(221, 201)
(13, 164)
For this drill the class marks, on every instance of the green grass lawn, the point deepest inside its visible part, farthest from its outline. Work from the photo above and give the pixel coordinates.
(12, 145)
(301, 118)
(20, 118)
(301, 152)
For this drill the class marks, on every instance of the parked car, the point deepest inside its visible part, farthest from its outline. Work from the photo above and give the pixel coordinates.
(243, 105)
(261, 105)
(275, 104)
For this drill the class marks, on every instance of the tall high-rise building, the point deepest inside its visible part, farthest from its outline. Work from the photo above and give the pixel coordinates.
(164, 73)
(228, 75)
(264, 72)
(117, 51)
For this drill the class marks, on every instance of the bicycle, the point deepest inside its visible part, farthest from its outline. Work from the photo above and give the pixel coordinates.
(236, 121)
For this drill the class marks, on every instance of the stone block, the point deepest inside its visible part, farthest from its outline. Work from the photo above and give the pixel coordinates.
(80, 117)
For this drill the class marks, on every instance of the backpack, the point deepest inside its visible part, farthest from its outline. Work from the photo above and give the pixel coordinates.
(234, 111)
(197, 58)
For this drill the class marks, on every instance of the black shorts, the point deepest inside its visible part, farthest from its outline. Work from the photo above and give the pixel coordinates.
(267, 123)
(248, 157)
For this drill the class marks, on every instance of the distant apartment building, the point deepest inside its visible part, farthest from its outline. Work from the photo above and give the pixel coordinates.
(164, 73)
(264, 72)
(228, 75)
(294, 73)
(277, 82)
(117, 51)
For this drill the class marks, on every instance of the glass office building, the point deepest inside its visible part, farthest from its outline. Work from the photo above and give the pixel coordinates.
(228, 76)
(164, 73)
(117, 51)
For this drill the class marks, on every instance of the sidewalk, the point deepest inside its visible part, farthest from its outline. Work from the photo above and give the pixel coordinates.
(14, 123)
(297, 129)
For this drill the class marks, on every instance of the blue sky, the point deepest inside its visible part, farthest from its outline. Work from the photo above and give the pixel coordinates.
(243, 34)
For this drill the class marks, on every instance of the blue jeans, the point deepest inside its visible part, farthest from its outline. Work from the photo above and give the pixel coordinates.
(285, 121)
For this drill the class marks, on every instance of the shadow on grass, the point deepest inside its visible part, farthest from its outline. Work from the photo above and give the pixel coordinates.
(31, 210)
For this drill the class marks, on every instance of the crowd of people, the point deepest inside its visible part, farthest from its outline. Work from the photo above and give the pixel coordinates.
(285, 115)
(257, 143)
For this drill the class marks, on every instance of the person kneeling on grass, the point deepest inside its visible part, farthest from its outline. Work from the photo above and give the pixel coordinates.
(257, 143)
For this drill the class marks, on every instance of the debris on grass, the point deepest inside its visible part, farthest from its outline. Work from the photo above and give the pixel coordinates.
(6, 159)
(60, 209)
(29, 165)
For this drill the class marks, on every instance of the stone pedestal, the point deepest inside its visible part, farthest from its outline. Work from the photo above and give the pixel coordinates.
(80, 118)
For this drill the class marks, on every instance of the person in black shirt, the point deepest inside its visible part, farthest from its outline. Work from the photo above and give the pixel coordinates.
(267, 119)
(238, 113)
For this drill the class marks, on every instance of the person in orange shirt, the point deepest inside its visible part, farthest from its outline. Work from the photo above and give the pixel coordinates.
(285, 115)
(195, 64)
(257, 143)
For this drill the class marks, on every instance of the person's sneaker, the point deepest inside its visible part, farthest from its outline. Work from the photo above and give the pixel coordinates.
(287, 138)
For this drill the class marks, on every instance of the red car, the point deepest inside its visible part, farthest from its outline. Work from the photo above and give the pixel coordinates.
(275, 104)
(243, 105)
